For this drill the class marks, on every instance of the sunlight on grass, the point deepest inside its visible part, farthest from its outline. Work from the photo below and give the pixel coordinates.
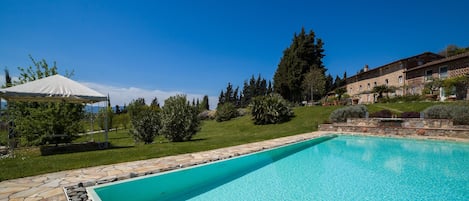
(213, 135)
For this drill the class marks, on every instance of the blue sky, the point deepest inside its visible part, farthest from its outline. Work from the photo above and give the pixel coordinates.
(133, 49)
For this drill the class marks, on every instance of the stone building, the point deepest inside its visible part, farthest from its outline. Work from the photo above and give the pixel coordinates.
(360, 86)
(454, 66)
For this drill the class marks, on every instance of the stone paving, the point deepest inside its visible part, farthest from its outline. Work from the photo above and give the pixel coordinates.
(51, 186)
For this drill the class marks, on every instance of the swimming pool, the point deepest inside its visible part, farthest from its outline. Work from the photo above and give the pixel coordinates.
(328, 168)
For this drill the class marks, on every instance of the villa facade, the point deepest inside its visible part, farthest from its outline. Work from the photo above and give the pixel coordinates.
(454, 66)
(360, 86)
(407, 76)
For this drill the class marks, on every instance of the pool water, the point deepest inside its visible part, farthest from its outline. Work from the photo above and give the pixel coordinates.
(341, 168)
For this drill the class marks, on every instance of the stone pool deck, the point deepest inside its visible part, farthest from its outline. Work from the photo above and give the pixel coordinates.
(51, 186)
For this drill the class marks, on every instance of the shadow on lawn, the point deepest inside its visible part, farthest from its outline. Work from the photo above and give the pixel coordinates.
(75, 147)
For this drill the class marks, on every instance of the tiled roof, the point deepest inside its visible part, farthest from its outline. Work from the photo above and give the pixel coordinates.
(388, 64)
(451, 58)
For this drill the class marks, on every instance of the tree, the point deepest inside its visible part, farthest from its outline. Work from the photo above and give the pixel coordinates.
(255, 87)
(179, 119)
(457, 86)
(340, 92)
(205, 104)
(118, 111)
(8, 82)
(221, 98)
(146, 125)
(155, 104)
(337, 82)
(452, 50)
(314, 81)
(381, 89)
(344, 79)
(37, 122)
(269, 88)
(229, 96)
(122, 119)
(103, 115)
(136, 106)
(304, 53)
(329, 83)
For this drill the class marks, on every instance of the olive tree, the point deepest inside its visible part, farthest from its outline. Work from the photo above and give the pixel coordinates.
(179, 119)
(145, 125)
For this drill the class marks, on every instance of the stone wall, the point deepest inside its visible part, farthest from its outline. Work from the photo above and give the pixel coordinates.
(398, 126)
(404, 123)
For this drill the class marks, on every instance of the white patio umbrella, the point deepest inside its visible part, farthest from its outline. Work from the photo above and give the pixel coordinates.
(55, 88)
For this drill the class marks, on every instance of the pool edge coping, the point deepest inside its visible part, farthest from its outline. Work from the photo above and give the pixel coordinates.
(44, 190)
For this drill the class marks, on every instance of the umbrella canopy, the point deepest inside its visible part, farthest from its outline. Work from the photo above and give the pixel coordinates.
(52, 89)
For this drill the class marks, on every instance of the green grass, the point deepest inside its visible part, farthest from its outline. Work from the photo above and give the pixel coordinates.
(398, 108)
(29, 161)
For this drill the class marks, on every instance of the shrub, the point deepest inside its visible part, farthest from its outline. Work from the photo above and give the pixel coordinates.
(225, 112)
(341, 114)
(207, 115)
(270, 109)
(179, 119)
(410, 115)
(146, 125)
(458, 113)
(243, 111)
(438, 112)
(382, 114)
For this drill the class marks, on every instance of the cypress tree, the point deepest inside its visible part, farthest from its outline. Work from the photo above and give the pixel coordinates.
(269, 88)
(304, 52)
(221, 98)
(205, 105)
(246, 94)
(329, 83)
(344, 79)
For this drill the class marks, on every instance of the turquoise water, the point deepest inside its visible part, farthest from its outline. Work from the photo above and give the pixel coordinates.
(342, 168)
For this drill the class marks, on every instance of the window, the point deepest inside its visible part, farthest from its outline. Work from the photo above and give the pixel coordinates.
(420, 62)
(428, 75)
(400, 79)
(386, 82)
(443, 72)
(368, 86)
(375, 84)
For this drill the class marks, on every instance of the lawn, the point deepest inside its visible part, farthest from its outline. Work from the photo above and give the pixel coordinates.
(29, 161)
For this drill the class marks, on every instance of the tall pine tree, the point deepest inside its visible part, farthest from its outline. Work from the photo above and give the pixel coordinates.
(304, 53)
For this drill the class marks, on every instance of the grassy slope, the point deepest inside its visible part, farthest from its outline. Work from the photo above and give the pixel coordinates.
(28, 161)
(400, 107)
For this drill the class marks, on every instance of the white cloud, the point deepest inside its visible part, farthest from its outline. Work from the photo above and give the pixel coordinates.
(124, 95)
